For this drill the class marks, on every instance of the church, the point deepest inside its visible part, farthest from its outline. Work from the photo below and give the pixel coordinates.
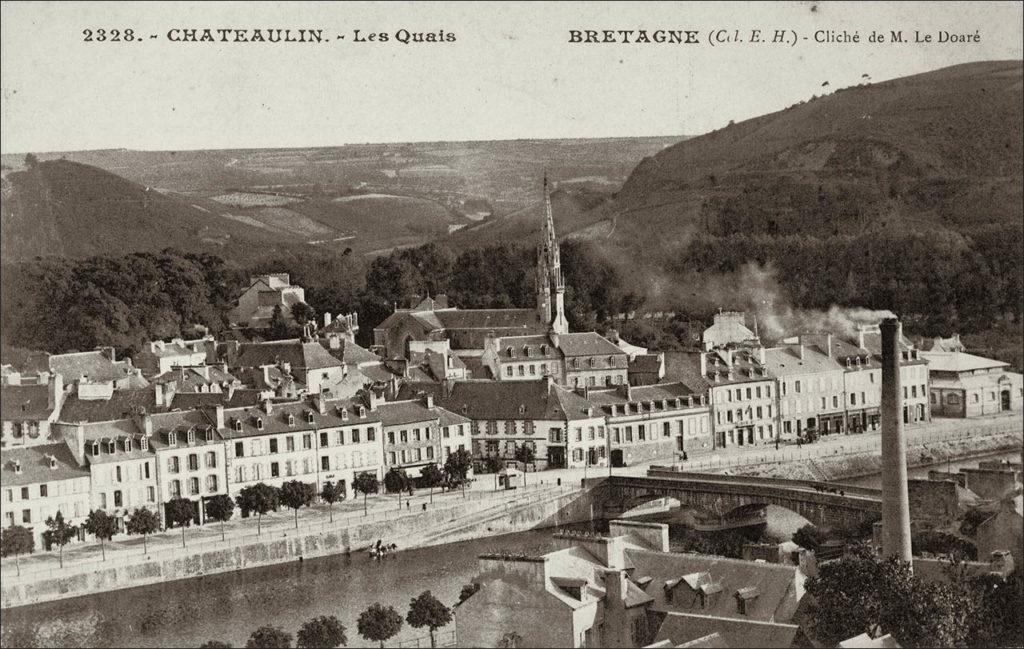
(467, 333)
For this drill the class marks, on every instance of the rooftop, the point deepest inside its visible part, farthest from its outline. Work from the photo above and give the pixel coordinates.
(25, 402)
(35, 465)
(959, 362)
(300, 355)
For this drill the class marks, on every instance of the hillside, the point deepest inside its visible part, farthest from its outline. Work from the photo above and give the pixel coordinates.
(936, 150)
(68, 209)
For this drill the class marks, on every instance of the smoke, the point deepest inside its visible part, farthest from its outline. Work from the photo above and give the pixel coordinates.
(755, 289)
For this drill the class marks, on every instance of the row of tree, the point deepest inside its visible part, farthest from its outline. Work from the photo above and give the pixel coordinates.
(258, 499)
(378, 623)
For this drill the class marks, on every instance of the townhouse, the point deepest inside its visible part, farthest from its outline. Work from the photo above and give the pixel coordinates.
(39, 481)
(413, 432)
(572, 359)
(811, 386)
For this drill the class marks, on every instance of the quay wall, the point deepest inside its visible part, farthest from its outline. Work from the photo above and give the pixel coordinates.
(431, 527)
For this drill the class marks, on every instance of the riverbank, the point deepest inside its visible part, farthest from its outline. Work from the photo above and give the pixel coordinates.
(460, 521)
(851, 466)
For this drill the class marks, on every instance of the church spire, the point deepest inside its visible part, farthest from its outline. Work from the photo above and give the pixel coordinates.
(550, 283)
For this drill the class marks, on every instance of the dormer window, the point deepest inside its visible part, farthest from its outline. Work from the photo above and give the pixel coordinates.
(17, 466)
(95, 448)
(53, 462)
(209, 433)
(111, 447)
(593, 362)
(238, 425)
(543, 350)
(172, 438)
(526, 351)
(144, 444)
(127, 444)
(362, 411)
(309, 416)
(344, 414)
(509, 352)
(291, 419)
(522, 409)
(465, 409)
(745, 598)
(191, 436)
(259, 423)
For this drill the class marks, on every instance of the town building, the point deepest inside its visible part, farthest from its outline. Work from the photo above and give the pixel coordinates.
(573, 359)
(467, 329)
(190, 457)
(39, 481)
(413, 432)
(939, 344)
(646, 369)
(653, 422)
(158, 356)
(27, 411)
(741, 393)
(122, 465)
(311, 366)
(184, 379)
(265, 293)
(811, 396)
(627, 589)
(964, 385)
(99, 368)
(914, 375)
(558, 425)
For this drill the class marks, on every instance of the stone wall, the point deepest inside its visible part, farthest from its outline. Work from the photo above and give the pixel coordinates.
(433, 527)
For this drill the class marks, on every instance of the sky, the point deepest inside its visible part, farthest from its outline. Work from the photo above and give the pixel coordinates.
(511, 72)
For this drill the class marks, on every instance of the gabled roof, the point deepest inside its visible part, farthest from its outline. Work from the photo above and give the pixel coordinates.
(682, 628)
(489, 319)
(121, 404)
(276, 421)
(684, 367)
(494, 400)
(587, 343)
(645, 364)
(95, 365)
(304, 356)
(25, 402)
(349, 353)
(400, 413)
(35, 465)
(533, 347)
(189, 378)
(228, 399)
(786, 361)
(959, 362)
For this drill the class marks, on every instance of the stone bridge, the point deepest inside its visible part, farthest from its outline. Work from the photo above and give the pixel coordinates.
(731, 497)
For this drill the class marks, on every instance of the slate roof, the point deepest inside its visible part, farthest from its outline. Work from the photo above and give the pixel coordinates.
(737, 633)
(531, 347)
(400, 413)
(774, 582)
(587, 343)
(959, 362)
(121, 404)
(300, 355)
(277, 420)
(487, 318)
(644, 394)
(35, 465)
(238, 398)
(645, 364)
(684, 367)
(94, 364)
(710, 641)
(492, 400)
(25, 402)
(350, 353)
(188, 379)
(785, 361)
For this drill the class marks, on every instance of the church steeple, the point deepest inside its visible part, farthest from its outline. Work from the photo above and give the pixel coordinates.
(550, 283)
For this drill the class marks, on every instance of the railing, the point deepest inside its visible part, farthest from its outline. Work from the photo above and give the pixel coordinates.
(442, 638)
(168, 543)
(804, 485)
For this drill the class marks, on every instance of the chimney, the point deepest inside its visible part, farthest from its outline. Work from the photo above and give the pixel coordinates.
(219, 416)
(158, 388)
(760, 354)
(616, 625)
(327, 318)
(268, 406)
(321, 404)
(147, 424)
(895, 499)
(231, 391)
(703, 365)
(828, 345)
(75, 439)
(428, 399)
(728, 357)
(860, 336)
(801, 352)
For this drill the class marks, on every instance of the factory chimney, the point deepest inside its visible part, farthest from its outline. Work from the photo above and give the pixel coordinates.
(895, 500)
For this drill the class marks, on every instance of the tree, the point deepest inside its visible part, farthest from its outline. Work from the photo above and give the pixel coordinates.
(468, 590)
(323, 631)
(269, 637)
(428, 611)
(220, 508)
(101, 525)
(457, 466)
(31, 160)
(809, 537)
(215, 644)
(865, 594)
(330, 494)
(493, 464)
(60, 532)
(396, 480)
(937, 542)
(145, 522)
(379, 623)
(302, 313)
(431, 477)
(297, 494)
(259, 498)
(525, 453)
(510, 640)
(16, 541)
(180, 512)
(366, 484)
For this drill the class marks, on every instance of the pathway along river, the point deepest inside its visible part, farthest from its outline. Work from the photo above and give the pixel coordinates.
(228, 607)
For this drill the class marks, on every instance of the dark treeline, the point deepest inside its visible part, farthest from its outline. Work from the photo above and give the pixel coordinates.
(938, 282)
(61, 305)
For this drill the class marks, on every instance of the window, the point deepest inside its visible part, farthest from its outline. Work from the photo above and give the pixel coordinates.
(273, 445)
(117, 473)
(211, 483)
(508, 370)
(118, 501)
(172, 465)
(193, 486)
(175, 491)
(797, 387)
(371, 434)
(150, 494)
(521, 371)
(391, 437)
(391, 458)
(289, 443)
(307, 441)
(42, 491)
(666, 429)
(323, 440)
(824, 403)
(239, 449)
(417, 455)
(275, 470)
(26, 516)
(748, 393)
(404, 456)
(853, 399)
(355, 435)
(325, 463)
(404, 436)
(211, 460)
(193, 462)
(416, 434)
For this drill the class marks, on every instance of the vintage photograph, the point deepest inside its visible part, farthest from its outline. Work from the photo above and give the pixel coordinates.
(512, 324)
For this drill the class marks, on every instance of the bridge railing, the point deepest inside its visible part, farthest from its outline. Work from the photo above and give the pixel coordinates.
(825, 487)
